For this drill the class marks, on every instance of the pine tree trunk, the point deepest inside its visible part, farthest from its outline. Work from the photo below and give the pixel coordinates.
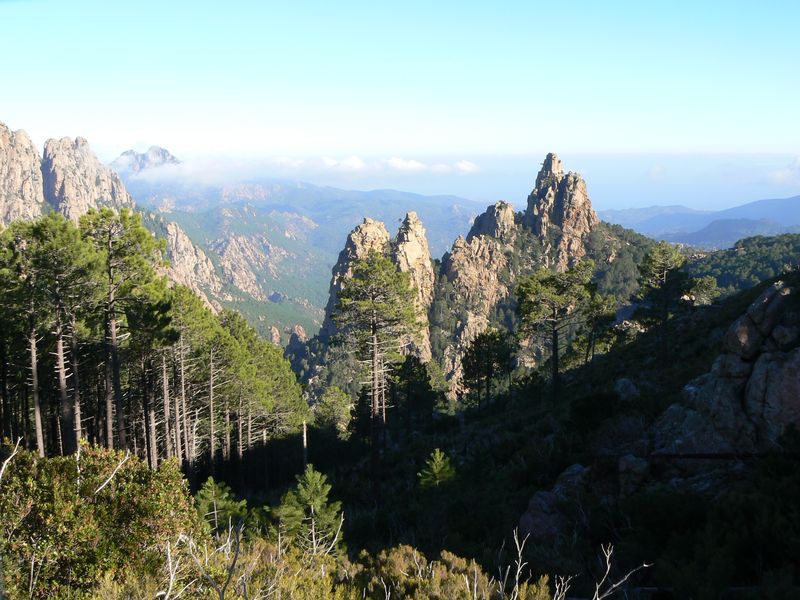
(37, 407)
(212, 442)
(149, 418)
(165, 397)
(5, 404)
(115, 378)
(69, 443)
(179, 449)
(76, 382)
(554, 360)
(226, 450)
(187, 454)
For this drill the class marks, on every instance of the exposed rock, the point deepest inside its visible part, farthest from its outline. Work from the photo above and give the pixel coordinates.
(75, 180)
(245, 259)
(21, 191)
(473, 269)
(411, 255)
(752, 393)
(189, 265)
(298, 332)
(498, 221)
(134, 162)
(626, 389)
(559, 206)
(366, 237)
(772, 397)
(275, 335)
(633, 472)
(544, 520)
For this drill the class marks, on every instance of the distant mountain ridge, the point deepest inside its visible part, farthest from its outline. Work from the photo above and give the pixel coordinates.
(134, 162)
(711, 229)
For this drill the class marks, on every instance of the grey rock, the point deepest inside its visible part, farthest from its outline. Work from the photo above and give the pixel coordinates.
(21, 189)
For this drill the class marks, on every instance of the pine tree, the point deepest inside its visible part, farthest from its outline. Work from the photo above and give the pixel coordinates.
(487, 358)
(130, 254)
(305, 514)
(375, 310)
(549, 302)
(438, 470)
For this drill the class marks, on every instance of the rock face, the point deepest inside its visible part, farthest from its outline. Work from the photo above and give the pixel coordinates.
(75, 180)
(499, 221)
(473, 268)
(370, 235)
(243, 258)
(189, 266)
(411, 255)
(544, 520)
(752, 393)
(21, 191)
(134, 162)
(559, 206)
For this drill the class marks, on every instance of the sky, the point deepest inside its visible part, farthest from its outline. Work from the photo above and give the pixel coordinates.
(655, 103)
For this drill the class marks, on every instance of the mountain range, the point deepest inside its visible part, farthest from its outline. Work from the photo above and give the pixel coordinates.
(711, 229)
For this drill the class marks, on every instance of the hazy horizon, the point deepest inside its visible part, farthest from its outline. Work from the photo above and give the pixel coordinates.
(676, 104)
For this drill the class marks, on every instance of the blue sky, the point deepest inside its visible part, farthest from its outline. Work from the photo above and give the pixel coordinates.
(463, 97)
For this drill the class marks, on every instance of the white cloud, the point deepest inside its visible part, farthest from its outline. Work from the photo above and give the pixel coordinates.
(788, 175)
(402, 164)
(465, 166)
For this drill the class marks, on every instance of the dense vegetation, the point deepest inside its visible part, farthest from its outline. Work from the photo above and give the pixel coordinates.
(142, 393)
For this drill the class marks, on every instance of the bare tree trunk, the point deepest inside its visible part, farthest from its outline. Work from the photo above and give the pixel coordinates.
(37, 407)
(189, 455)
(555, 359)
(226, 450)
(116, 380)
(212, 439)
(179, 449)
(165, 397)
(305, 444)
(249, 426)
(5, 403)
(76, 382)
(69, 442)
(149, 419)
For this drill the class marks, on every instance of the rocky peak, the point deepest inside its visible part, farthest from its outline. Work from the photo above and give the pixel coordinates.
(21, 195)
(411, 255)
(559, 205)
(366, 237)
(132, 162)
(76, 181)
(498, 221)
(190, 266)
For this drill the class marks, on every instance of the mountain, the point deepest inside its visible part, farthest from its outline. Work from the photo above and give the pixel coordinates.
(711, 229)
(274, 242)
(724, 233)
(133, 162)
(70, 179)
(472, 288)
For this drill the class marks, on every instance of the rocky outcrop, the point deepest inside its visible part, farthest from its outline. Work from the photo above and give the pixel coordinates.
(411, 255)
(75, 180)
(474, 268)
(21, 191)
(245, 260)
(189, 266)
(132, 162)
(499, 221)
(752, 393)
(369, 236)
(559, 209)
(545, 519)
